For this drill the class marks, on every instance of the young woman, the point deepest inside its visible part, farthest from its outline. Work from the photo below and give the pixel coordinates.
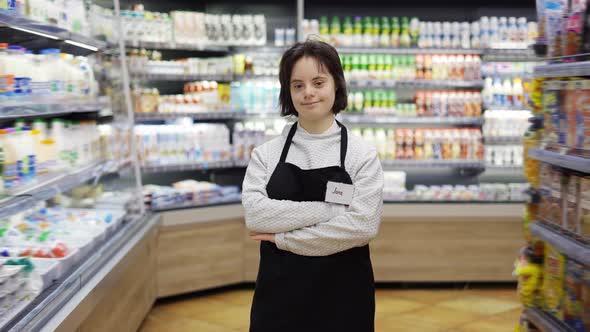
(313, 198)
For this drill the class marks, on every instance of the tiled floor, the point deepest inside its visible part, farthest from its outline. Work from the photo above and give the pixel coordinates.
(474, 309)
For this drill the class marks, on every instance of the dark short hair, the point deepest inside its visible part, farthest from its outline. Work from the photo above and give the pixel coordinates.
(328, 58)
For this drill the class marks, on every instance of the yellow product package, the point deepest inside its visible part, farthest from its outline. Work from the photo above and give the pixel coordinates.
(553, 277)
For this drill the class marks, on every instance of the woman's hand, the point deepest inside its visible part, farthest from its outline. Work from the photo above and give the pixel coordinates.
(262, 237)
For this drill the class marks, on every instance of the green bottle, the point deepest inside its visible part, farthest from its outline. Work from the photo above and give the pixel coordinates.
(391, 100)
(385, 39)
(367, 32)
(388, 66)
(364, 62)
(380, 66)
(368, 101)
(372, 65)
(335, 31)
(376, 29)
(348, 31)
(347, 63)
(324, 28)
(405, 40)
(395, 32)
(357, 33)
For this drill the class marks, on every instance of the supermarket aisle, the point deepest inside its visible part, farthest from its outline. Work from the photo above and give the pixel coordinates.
(479, 309)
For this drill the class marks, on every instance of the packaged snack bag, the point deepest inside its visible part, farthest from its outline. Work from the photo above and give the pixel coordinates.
(570, 205)
(575, 27)
(573, 305)
(553, 278)
(583, 206)
(555, 10)
(551, 107)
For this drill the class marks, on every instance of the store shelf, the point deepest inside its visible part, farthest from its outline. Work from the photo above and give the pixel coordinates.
(48, 186)
(575, 69)
(49, 108)
(188, 167)
(264, 49)
(54, 304)
(508, 108)
(391, 119)
(50, 31)
(405, 51)
(512, 55)
(180, 77)
(563, 160)
(191, 205)
(503, 140)
(414, 84)
(424, 164)
(563, 243)
(176, 46)
(519, 170)
(221, 115)
(545, 322)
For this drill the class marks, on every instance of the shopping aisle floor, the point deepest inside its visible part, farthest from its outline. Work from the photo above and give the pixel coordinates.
(477, 309)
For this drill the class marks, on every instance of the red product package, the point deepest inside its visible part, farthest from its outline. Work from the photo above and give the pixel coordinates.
(575, 27)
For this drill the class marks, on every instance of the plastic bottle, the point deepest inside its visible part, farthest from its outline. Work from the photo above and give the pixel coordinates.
(335, 31)
(518, 93)
(405, 39)
(357, 39)
(414, 31)
(395, 32)
(498, 90)
(324, 28)
(381, 143)
(9, 168)
(385, 35)
(507, 93)
(367, 32)
(347, 38)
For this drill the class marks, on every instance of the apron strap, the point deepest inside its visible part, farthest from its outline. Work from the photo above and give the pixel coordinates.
(343, 143)
(288, 143)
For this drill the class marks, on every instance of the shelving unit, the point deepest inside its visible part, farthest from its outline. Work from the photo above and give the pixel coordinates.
(50, 108)
(180, 77)
(49, 31)
(406, 51)
(176, 46)
(413, 84)
(51, 185)
(545, 322)
(351, 118)
(423, 164)
(573, 69)
(562, 242)
(563, 160)
(501, 140)
(188, 167)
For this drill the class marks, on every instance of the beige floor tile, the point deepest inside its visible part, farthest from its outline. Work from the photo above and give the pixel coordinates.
(489, 326)
(232, 317)
(179, 324)
(441, 318)
(480, 305)
(389, 305)
(428, 296)
(237, 297)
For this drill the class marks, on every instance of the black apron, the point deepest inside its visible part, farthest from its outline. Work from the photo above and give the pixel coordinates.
(295, 293)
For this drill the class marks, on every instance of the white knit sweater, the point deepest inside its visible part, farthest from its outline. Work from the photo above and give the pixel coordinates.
(315, 228)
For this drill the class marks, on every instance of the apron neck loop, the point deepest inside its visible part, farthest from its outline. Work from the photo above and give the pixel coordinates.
(343, 143)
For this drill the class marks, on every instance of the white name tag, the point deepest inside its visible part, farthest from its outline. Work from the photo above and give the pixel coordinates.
(339, 193)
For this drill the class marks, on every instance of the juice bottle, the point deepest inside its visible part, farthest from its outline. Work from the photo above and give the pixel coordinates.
(357, 33)
(372, 58)
(395, 32)
(405, 40)
(376, 32)
(335, 32)
(324, 28)
(367, 32)
(347, 38)
(419, 66)
(517, 93)
(388, 64)
(414, 31)
(385, 36)
(364, 65)
(380, 68)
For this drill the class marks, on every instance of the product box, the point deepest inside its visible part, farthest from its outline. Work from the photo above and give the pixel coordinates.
(570, 205)
(583, 205)
(586, 298)
(551, 105)
(575, 27)
(552, 184)
(553, 281)
(572, 289)
(581, 118)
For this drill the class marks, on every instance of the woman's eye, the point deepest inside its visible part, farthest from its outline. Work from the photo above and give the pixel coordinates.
(297, 86)
(319, 84)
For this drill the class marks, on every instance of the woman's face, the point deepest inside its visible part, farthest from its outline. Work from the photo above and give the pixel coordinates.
(312, 89)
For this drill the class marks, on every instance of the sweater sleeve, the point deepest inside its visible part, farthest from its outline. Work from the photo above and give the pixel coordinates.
(265, 215)
(355, 227)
